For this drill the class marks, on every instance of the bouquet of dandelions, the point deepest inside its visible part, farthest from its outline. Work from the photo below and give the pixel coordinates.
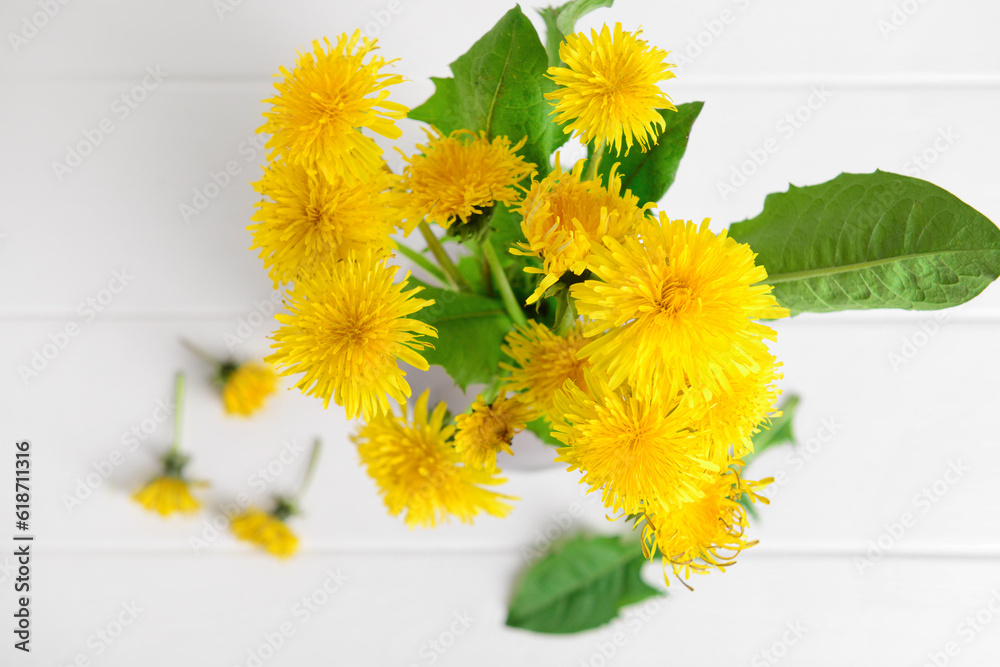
(631, 341)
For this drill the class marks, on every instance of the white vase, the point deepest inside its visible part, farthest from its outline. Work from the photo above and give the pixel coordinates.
(530, 453)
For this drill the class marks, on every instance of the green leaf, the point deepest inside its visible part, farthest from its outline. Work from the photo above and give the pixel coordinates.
(542, 427)
(579, 585)
(471, 268)
(498, 87)
(649, 175)
(501, 82)
(443, 108)
(506, 226)
(470, 328)
(779, 432)
(876, 240)
(561, 21)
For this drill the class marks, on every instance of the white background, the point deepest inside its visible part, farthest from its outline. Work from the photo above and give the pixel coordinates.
(898, 427)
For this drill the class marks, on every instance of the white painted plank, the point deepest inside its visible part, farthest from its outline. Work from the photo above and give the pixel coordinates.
(744, 38)
(448, 609)
(121, 207)
(892, 428)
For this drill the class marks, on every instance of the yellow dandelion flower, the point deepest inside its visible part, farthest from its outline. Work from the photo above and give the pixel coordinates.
(682, 298)
(346, 330)
(325, 101)
(306, 220)
(454, 177)
(705, 533)
(543, 362)
(735, 413)
(246, 387)
(609, 88)
(489, 429)
(637, 447)
(170, 491)
(167, 494)
(266, 531)
(565, 217)
(418, 471)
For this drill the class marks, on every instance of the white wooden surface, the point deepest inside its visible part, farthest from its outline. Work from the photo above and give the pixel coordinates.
(875, 434)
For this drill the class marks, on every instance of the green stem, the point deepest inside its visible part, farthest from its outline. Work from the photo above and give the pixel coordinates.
(178, 411)
(595, 161)
(422, 262)
(200, 353)
(565, 313)
(455, 279)
(488, 278)
(310, 470)
(500, 278)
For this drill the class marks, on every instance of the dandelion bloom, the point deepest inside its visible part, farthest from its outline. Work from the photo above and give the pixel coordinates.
(542, 362)
(325, 101)
(167, 494)
(266, 531)
(682, 298)
(706, 533)
(737, 412)
(455, 177)
(347, 328)
(609, 89)
(488, 429)
(565, 217)
(418, 471)
(246, 387)
(636, 446)
(306, 220)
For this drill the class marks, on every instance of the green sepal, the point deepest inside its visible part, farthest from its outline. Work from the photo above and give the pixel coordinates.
(174, 463)
(284, 508)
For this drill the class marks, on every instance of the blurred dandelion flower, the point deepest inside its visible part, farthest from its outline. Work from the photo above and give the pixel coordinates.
(488, 429)
(420, 474)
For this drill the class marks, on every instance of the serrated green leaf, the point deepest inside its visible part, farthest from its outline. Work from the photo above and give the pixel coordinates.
(649, 175)
(470, 329)
(543, 429)
(876, 240)
(443, 108)
(581, 584)
(498, 87)
(500, 83)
